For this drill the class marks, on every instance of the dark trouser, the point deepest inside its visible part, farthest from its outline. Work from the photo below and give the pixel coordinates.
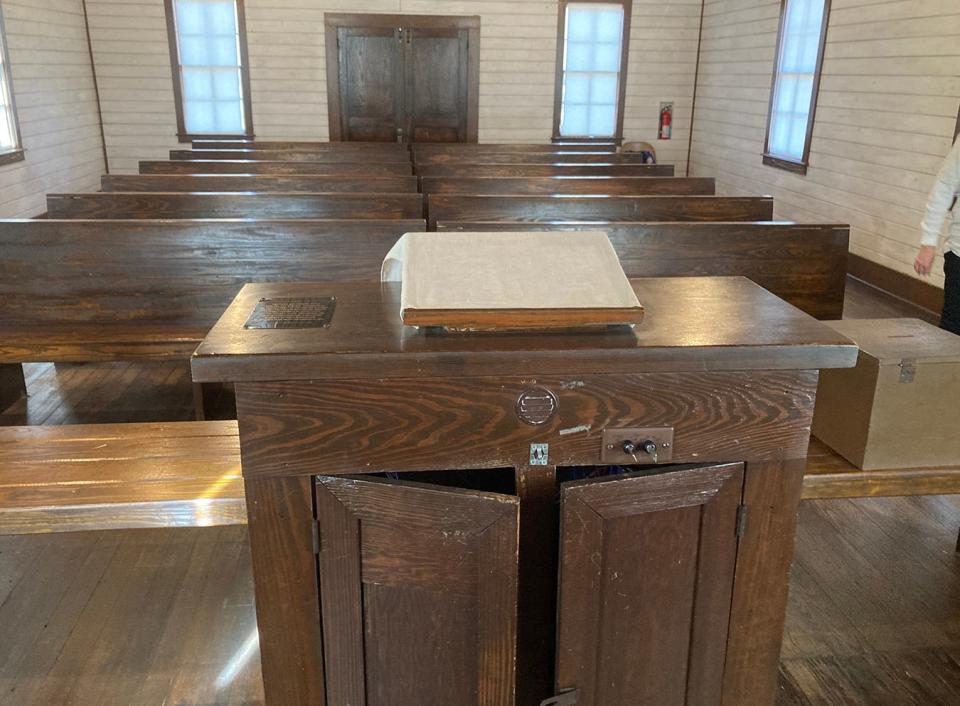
(951, 293)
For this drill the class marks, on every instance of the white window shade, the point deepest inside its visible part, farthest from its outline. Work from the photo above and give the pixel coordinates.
(208, 42)
(796, 71)
(593, 43)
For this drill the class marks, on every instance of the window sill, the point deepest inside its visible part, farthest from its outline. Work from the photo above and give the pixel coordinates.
(559, 139)
(182, 137)
(786, 164)
(11, 157)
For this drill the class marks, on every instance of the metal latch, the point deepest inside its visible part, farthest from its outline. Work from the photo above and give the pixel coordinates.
(567, 698)
(908, 370)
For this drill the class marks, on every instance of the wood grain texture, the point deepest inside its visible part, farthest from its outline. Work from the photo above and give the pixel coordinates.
(468, 148)
(404, 632)
(533, 186)
(248, 166)
(325, 157)
(103, 290)
(646, 574)
(128, 204)
(281, 518)
(803, 264)
(270, 183)
(338, 147)
(119, 476)
(465, 207)
(544, 170)
(402, 424)
(558, 156)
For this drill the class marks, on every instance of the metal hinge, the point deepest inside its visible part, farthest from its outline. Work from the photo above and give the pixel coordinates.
(316, 537)
(741, 520)
(567, 698)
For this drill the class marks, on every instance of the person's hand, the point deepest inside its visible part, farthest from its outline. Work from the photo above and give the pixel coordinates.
(924, 262)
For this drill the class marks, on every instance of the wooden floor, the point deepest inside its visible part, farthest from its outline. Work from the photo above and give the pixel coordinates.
(167, 616)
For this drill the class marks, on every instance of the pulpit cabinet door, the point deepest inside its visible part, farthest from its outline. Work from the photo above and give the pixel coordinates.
(646, 576)
(418, 593)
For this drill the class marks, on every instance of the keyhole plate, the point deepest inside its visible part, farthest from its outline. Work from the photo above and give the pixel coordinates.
(613, 439)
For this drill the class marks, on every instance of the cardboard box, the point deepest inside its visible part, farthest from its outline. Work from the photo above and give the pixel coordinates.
(900, 406)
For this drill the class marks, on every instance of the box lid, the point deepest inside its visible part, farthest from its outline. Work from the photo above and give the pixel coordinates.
(891, 341)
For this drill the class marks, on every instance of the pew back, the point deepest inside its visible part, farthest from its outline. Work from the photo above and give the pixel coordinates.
(244, 166)
(328, 156)
(425, 148)
(107, 290)
(124, 204)
(532, 186)
(261, 182)
(461, 207)
(294, 145)
(555, 157)
(543, 170)
(804, 264)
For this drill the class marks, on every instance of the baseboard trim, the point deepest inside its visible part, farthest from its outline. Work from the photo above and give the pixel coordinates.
(896, 284)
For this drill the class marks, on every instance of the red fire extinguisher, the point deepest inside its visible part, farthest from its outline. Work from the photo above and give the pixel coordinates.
(666, 121)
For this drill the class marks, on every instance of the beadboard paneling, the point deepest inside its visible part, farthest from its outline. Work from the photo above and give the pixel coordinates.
(56, 102)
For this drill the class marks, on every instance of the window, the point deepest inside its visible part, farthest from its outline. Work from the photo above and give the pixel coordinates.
(796, 81)
(591, 66)
(10, 147)
(209, 58)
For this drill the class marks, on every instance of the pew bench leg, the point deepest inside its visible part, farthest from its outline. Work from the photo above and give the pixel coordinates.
(13, 386)
(213, 401)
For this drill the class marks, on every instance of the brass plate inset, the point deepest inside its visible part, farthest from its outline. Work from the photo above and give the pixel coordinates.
(292, 313)
(536, 405)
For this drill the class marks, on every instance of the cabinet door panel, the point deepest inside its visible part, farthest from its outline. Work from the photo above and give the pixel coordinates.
(371, 83)
(646, 576)
(418, 591)
(437, 84)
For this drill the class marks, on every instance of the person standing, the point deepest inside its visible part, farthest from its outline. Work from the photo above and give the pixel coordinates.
(942, 199)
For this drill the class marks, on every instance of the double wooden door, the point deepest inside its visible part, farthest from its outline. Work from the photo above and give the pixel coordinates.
(406, 78)
(419, 589)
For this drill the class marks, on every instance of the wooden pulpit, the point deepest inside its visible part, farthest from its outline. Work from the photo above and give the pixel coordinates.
(594, 518)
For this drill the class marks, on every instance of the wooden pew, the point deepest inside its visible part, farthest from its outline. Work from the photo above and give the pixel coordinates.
(270, 183)
(279, 205)
(804, 264)
(555, 157)
(543, 170)
(465, 148)
(326, 156)
(464, 207)
(294, 145)
(533, 186)
(89, 291)
(245, 166)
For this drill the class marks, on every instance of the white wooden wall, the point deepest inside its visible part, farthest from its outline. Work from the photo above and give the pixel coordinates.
(56, 102)
(288, 73)
(885, 118)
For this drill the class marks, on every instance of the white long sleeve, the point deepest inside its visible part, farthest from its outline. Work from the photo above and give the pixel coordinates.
(941, 198)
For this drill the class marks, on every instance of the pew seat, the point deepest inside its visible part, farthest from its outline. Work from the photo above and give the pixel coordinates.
(120, 476)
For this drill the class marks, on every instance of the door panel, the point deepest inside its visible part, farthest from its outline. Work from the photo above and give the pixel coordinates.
(371, 83)
(437, 84)
(418, 589)
(646, 576)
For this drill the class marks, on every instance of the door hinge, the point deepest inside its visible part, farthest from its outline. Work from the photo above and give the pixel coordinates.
(316, 537)
(741, 520)
(567, 698)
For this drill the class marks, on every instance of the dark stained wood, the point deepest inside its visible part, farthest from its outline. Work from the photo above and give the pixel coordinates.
(467, 207)
(556, 157)
(405, 77)
(683, 314)
(324, 157)
(622, 186)
(543, 170)
(646, 577)
(803, 264)
(107, 290)
(82, 477)
(429, 618)
(281, 519)
(922, 294)
(279, 205)
(12, 385)
(467, 148)
(247, 166)
(828, 475)
(339, 147)
(271, 183)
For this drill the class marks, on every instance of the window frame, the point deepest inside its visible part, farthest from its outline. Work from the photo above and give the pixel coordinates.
(175, 68)
(771, 160)
(16, 154)
(558, 78)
